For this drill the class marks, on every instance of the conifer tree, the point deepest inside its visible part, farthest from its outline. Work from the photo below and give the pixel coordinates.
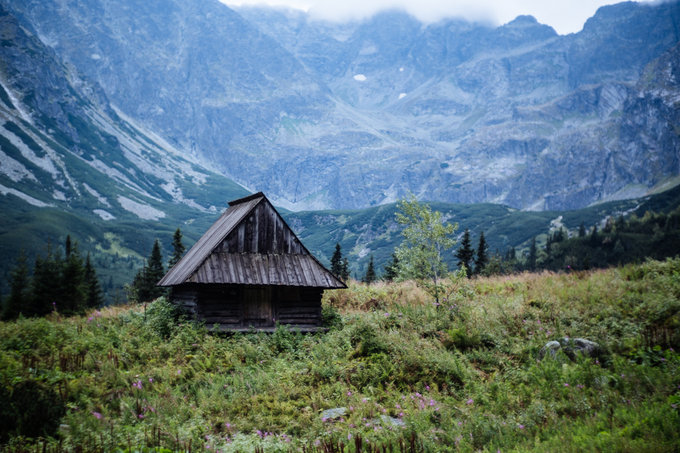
(582, 230)
(344, 270)
(336, 261)
(482, 256)
(46, 285)
(369, 277)
(19, 296)
(465, 253)
(177, 248)
(391, 268)
(72, 297)
(93, 290)
(144, 283)
(531, 259)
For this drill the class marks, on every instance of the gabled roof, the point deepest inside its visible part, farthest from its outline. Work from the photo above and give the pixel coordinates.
(250, 244)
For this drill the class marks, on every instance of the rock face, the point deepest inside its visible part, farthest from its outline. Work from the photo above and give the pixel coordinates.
(325, 115)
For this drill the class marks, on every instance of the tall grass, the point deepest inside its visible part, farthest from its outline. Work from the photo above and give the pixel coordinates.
(464, 375)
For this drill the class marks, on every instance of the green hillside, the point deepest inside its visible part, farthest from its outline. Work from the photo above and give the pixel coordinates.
(393, 373)
(119, 247)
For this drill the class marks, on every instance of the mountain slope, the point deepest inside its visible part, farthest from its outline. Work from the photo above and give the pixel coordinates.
(323, 115)
(70, 164)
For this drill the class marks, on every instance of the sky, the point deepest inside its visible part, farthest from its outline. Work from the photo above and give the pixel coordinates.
(565, 16)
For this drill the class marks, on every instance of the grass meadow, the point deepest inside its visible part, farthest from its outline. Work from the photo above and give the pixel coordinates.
(396, 371)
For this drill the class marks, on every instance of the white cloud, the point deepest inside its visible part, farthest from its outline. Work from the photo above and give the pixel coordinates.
(565, 16)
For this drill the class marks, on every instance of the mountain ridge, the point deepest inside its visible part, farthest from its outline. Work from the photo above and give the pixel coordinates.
(323, 115)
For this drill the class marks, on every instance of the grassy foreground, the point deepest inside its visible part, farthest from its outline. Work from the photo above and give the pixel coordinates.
(464, 375)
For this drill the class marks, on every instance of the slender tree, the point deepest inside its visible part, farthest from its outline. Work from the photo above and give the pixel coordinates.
(582, 230)
(19, 295)
(531, 259)
(344, 270)
(392, 268)
(46, 284)
(336, 260)
(93, 290)
(465, 253)
(144, 283)
(426, 237)
(177, 248)
(72, 297)
(482, 255)
(369, 277)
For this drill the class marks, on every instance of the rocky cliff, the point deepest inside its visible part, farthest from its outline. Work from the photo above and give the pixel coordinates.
(321, 115)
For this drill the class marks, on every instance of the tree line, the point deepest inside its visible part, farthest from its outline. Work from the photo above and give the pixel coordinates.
(61, 281)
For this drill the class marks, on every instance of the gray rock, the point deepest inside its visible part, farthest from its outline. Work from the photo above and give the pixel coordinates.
(336, 412)
(571, 347)
(386, 420)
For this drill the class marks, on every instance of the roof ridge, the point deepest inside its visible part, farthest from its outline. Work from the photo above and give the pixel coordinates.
(248, 198)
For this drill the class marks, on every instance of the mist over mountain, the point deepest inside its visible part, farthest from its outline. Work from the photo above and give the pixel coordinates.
(348, 115)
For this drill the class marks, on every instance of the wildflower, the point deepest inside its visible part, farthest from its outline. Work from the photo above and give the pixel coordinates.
(566, 385)
(364, 400)
(387, 315)
(401, 414)
(97, 415)
(90, 319)
(580, 386)
(427, 387)
(137, 384)
(470, 401)
(397, 406)
(432, 402)
(179, 372)
(349, 436)
(141, 416)
(349, 393)
(520, 426)
(150, 380)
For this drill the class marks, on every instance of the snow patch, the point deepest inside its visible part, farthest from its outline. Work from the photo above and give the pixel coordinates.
(96, 194)
(45, 163)
(360, 78)
(141, 210)
(14, 169)
(27, 198)
(59, 195)
(105, 215)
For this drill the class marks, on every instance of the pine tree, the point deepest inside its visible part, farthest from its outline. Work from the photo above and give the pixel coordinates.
(582, 230)
(465, 253)
(46, 285)
(144, 284)
(482, 257)
(19, 295)
(177, 248)
(93, 290)
(344, 270)
(531, 259)
(336, 261)
(391, 268)
(72, 297)
(369, 277)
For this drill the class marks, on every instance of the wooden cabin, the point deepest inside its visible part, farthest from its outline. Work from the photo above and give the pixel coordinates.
(249, 270)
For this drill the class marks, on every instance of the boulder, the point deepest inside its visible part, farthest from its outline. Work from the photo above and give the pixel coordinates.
(571, 347)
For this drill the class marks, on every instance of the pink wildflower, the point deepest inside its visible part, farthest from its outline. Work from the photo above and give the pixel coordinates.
(97, 415)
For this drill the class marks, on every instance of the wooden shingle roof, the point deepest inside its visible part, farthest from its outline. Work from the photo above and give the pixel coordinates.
(250, 244)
